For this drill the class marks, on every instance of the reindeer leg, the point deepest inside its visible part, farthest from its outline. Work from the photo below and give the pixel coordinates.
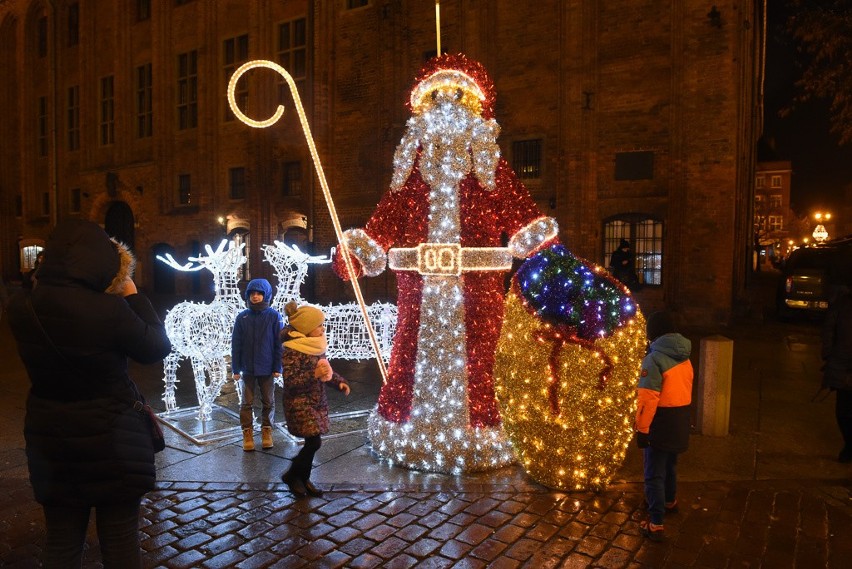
(170, 366)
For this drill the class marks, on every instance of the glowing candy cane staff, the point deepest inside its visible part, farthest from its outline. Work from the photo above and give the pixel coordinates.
(350, 269)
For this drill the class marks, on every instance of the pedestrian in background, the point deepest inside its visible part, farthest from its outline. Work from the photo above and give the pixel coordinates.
(88, 445)
(622, 264)
(256, 360)
(837, 369)
(306, 370)
(663, 417)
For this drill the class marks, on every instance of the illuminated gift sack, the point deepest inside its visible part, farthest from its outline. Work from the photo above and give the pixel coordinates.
(566, 370)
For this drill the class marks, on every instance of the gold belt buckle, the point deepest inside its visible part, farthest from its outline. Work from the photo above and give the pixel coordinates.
(439, 259)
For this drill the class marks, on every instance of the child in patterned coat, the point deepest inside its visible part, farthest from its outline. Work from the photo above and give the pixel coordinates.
(305, 405)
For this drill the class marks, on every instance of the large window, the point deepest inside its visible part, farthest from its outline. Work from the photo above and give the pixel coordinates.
(188, 90)
(235, 52)
(526, 158)
(73, 24)
(776, 222)
(107, 115)
(144, 101)
(292, 55)
(41, 126)
(73, 118)
(41, 36)
(776, 181)
(143, 10)
(74, 200)
(184, 189)
(638, 165)
(292, 183)
(759, 182)
(775, 201)
(237, 183)
(645, 235)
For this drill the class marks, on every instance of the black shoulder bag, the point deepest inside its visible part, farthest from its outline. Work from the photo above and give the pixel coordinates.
(157, 437)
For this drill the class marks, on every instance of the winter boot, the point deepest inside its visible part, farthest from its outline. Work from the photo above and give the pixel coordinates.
(248, 439)
(266, 437)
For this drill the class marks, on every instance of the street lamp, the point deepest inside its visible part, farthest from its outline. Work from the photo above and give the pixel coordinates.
(820, 234)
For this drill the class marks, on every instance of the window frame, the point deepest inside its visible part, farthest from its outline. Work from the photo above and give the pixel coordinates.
(73, 117)
(144, 79)
(645, 233)
(184, 188)
(527, 158)
(291, 51)
(106, 116)
(41, 126)
(235, 52)
(187, 90)
(290, 181)
(237, 183)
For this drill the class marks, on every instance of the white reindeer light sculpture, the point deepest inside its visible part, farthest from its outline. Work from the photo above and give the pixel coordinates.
(202, 332)
(344, 325)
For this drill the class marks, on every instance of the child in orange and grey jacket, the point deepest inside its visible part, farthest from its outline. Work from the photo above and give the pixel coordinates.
(663, 417)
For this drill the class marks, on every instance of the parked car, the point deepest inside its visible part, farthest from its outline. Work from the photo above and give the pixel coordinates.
(808, 276)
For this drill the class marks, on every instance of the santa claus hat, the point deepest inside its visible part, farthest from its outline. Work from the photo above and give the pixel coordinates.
(457, 72)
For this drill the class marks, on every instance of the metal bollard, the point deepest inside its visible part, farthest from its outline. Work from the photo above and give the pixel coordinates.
(714, 385)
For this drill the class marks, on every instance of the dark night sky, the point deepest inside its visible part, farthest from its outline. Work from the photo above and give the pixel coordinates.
(821, 167)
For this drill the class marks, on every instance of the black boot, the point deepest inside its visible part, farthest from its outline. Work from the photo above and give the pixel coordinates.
(297, 488)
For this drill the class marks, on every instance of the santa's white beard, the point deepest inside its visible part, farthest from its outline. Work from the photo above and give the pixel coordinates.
(453, 142)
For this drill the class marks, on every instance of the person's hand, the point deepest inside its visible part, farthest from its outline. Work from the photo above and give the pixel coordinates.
(276, 374)
(642, 439)
(127, 287)
(236, 377)
(344, 387)
(323, 371)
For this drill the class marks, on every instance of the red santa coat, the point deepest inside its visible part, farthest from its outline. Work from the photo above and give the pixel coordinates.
(487, 217)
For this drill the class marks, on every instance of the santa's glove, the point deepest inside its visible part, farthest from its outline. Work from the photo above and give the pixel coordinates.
(643, 440)
(323, 371)
(339, 265)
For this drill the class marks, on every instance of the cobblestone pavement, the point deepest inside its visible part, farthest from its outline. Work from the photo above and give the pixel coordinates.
(740, 524)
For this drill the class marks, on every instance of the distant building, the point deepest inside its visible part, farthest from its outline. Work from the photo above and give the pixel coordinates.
(776, 227)
(624, 119)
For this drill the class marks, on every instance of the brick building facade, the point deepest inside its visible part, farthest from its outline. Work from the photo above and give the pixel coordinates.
(624, 119)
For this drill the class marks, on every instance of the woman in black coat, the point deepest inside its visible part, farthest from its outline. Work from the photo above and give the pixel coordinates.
(837, 355)
(87, 446)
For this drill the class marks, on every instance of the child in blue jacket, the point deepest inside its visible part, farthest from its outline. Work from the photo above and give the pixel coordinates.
(663, 417)
(256, 360)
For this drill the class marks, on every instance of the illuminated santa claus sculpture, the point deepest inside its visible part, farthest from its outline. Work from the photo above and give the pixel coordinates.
(439, 228)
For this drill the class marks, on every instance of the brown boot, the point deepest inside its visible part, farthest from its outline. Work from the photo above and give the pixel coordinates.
(248, 439)
(266, 437)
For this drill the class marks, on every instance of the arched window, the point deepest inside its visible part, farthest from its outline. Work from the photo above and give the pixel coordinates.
(645, 235)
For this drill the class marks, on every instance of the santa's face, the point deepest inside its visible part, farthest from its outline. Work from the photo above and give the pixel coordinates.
(453, 141)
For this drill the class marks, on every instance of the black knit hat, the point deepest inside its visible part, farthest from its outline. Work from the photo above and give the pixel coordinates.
(625, 244)
(659, 324)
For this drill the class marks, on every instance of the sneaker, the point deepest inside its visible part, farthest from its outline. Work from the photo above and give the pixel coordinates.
(294, 484)
(312, 490)
(248, 439)
(266, 437)
(652, 531)
(671, 507)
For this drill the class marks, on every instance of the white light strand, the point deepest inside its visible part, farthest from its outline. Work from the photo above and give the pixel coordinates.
(202, 332)
(344, 326)
(438, 437)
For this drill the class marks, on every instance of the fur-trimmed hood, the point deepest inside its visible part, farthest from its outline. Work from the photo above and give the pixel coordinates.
(82, 253)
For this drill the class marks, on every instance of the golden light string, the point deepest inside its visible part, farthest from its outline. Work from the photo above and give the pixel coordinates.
(438, 24)
(338, 231)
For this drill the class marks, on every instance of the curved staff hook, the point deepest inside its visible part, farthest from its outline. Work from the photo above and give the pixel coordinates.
(350, 269)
